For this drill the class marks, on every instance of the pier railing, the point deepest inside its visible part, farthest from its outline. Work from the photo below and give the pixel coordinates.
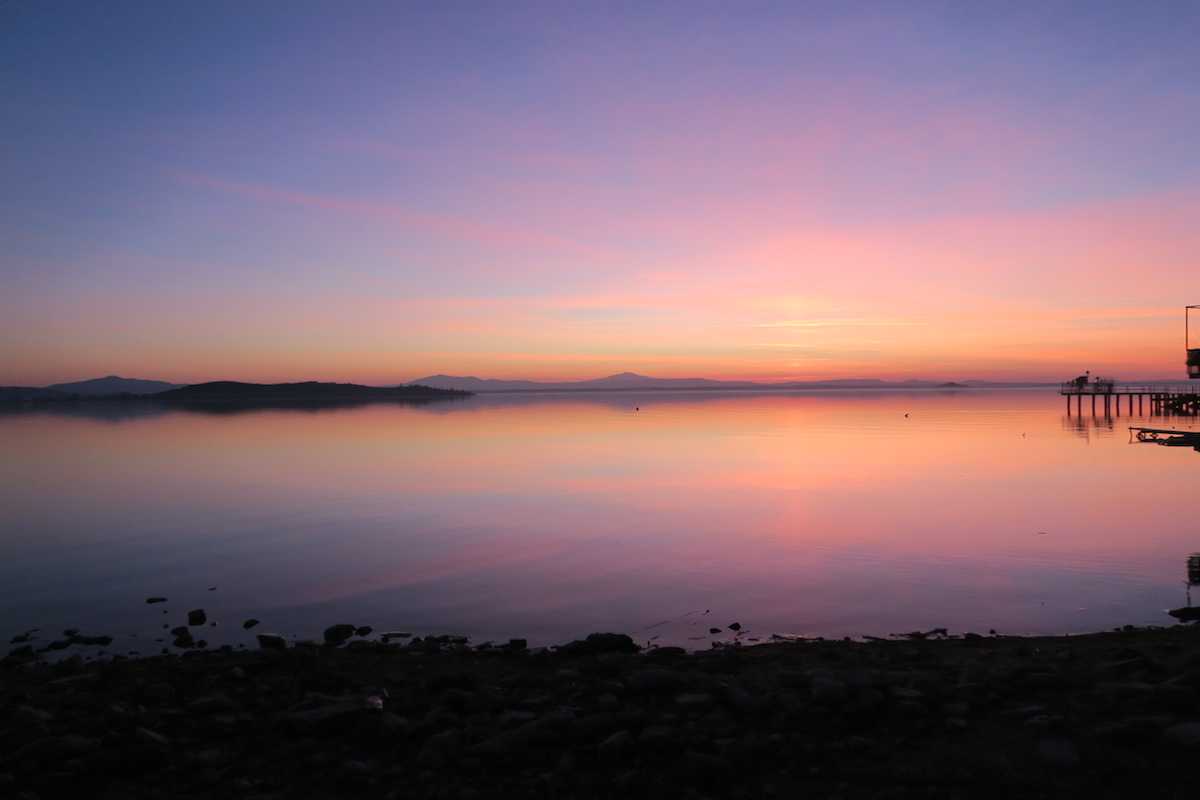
(1171, 399)
(1105, 386)
(1096, 386)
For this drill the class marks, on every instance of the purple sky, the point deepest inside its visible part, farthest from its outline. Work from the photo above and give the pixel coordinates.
(374, 192)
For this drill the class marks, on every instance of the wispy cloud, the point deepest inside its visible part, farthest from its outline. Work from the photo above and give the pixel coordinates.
(838, 323)
(448, 227)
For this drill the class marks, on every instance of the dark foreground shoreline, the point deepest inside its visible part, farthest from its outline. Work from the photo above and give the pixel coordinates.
(1106, 715)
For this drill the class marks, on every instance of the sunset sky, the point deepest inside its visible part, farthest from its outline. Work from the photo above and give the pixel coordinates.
(375, 192)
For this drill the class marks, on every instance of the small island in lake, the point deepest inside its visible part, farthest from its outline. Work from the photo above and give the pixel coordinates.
(308, 391)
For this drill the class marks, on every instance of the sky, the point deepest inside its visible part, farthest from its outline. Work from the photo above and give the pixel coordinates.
(374, 192)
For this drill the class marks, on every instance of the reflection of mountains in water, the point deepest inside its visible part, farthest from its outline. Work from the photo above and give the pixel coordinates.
(224, 397)
(226, 391)
(231, 397)
(104, 410)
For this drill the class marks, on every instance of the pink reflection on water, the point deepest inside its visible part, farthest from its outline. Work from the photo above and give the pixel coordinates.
(814, 514)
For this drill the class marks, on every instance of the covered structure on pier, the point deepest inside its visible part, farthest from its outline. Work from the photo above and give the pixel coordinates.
(1193, 353)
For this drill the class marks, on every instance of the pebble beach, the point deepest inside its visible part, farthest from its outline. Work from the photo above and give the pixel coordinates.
(923, 715)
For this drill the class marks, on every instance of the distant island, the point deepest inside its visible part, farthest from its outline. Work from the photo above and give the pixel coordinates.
(235, 392)
(113, 385)
(115, 388)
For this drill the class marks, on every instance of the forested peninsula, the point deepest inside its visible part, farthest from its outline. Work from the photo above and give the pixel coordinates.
(233, 391)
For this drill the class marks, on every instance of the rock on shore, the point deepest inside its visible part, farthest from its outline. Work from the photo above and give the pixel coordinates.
(1110, 715)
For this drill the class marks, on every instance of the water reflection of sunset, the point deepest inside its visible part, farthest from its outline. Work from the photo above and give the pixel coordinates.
(801, 513)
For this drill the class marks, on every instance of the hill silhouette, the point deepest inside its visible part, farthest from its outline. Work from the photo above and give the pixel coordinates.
(114, 385)
(29, 393)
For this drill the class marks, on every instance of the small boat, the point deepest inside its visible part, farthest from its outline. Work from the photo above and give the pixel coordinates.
(1168, 437)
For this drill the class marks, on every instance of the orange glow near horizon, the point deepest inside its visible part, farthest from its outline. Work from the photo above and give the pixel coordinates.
(883, 194)
(946, 346)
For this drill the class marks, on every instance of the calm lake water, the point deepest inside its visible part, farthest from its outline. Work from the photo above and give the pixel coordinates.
(552, 516)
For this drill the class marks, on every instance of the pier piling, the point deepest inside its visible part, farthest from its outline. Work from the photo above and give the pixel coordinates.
(1161, 399)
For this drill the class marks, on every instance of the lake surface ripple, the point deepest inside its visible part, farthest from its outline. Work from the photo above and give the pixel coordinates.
(548, 517)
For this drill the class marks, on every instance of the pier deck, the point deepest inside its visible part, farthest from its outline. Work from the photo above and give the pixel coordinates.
(1155, 399)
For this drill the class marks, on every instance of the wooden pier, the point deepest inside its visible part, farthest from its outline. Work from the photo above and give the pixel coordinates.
(1152, 399)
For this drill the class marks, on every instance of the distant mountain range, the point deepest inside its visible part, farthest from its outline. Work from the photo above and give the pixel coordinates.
(627, 380)
(115, 386)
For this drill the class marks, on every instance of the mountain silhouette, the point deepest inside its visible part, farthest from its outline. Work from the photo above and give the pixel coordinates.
(114, 384)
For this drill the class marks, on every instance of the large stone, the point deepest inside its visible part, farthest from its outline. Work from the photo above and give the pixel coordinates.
(1059, 753)
(271, 641)
(211, 704)
(828, 692)
(599, 643)
(1186, 734)
(601, 726)
(439, 751)
(662, 740)
(124, 761)
(694, 701)
(516, 718)
(91, 641)
(28, 715)
(614, 748)
(337, 634)
(666, 653)
(329, 718)
(651, 680)
(148, 736)
(53, 748)
(710, 771)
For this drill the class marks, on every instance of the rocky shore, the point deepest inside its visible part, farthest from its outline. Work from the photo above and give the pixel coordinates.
(1108, 715)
